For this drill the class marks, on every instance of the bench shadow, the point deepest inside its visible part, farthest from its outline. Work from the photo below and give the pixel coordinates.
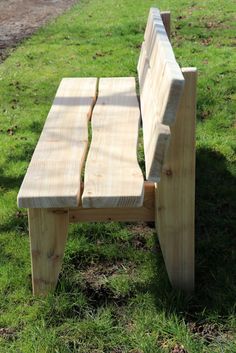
(9, 182)
(215, 242)
(215, 291)
(215, 255)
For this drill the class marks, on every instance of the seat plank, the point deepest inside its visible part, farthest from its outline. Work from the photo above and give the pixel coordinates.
(112, 174)
(53, 176)
(161, 84)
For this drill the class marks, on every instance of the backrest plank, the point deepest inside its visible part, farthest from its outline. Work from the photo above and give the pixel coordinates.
(161, 84)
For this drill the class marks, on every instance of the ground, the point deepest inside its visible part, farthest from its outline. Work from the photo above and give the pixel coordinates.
(20, 18)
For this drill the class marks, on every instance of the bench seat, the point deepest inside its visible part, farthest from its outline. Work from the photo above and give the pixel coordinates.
(112, 174)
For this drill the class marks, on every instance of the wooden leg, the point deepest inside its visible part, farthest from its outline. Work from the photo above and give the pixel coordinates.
(48, 233)
(175, 194)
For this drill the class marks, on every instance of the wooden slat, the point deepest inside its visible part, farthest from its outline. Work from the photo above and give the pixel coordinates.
(155, 35)
(161, 84)
(145, 213)
(112, 174)
(175, 197)
(155, 135)
(53, 176)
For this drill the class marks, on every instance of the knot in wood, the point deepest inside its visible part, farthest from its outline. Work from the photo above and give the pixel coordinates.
(168, 172)
(54, 257)
(58, 211)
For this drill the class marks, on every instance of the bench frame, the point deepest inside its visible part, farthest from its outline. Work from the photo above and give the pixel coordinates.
(170, 203)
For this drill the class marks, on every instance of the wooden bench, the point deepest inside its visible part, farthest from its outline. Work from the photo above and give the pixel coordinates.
(114, 187)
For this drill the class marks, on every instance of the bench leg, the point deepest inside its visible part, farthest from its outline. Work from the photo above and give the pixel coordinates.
(48, 234)
(175, 194)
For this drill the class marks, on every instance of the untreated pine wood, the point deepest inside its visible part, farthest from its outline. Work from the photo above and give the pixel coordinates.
(48, 234)
(145, 213)
(113, 177)
(53, 176)
(155, 135)
(175, 194)
(161, 85)
(114, 186)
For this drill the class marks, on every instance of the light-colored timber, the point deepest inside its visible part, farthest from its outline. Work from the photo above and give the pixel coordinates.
(48, 234)
(113, 177)
(161, 83)
(175, 195)
(114, 187)
(53, 176)
(145, 213)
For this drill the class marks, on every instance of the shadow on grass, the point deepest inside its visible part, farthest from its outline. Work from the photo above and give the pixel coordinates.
(215, 250)
(17, 222)
(215, 290)
(9, 182)
(215, 255)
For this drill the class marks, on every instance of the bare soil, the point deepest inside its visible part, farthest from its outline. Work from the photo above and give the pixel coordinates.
(20, 18)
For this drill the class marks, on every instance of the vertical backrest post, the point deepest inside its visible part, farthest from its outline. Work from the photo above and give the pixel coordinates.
(175, 194)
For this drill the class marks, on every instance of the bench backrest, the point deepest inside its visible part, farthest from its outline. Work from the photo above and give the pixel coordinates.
(161, 84)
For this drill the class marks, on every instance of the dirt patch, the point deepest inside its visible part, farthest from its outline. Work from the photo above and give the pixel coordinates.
(140, 234)
(95, 279)
(20, 18)
(7, 333)
(209, 332)
(178, 349)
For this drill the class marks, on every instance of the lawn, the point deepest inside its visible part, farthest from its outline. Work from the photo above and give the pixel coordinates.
(113, 294)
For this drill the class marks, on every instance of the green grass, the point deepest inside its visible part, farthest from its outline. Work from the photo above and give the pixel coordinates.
(113, 294)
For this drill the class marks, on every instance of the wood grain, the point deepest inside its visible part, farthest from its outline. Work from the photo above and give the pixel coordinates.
(48, 235)
(53, 176)
(161, 84)
(175, 196)
(112, 174)
(145, 213)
